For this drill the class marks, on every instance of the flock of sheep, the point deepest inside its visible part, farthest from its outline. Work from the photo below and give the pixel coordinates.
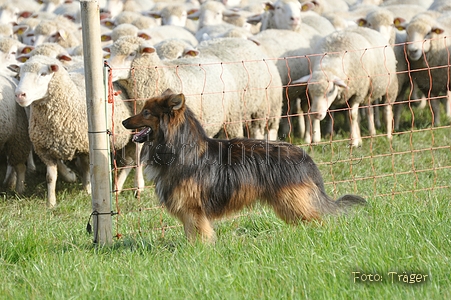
(246, 67)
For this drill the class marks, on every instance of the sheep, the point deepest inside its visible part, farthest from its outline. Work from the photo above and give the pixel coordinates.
(211, 13)
(384, 21)
(344, 75)
(211, 20)
(424, 3)
(58, 122)
(122, 109)
(122, 30)
(174, 49)
(259, 102)
(328, 6)
(60, 30)
(14, 139)
(144, 74)
(286, 14)
(440, 5)
(174, 14)
(9, 47)
(428, 54)
(160, 33)
(290, 48)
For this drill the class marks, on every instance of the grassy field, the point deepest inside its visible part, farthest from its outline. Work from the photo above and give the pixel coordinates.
(401, 240)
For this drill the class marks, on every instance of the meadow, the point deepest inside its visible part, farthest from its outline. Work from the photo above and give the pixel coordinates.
(396, 247)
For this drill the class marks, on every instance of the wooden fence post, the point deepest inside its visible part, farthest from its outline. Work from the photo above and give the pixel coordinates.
(99, 153)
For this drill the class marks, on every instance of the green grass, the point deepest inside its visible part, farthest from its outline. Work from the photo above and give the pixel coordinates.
(47, 254)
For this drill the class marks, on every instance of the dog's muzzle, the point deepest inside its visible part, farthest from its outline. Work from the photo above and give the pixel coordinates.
(142, 136)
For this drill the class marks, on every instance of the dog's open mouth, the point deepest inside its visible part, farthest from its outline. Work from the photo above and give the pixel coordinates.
(142, 136)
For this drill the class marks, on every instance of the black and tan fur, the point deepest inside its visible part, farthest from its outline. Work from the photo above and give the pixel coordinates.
(200, 179)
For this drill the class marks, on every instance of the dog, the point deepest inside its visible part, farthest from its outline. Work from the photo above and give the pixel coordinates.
(200, 179)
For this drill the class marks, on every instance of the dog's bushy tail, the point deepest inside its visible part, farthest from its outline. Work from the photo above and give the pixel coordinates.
(341, 205)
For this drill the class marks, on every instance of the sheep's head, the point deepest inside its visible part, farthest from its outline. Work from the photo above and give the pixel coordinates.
(322, 92)
(420, 31)
(122, 54)
(35, 76)
(286, 14)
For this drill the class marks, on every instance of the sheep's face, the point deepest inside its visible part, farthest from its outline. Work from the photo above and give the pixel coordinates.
(34, 82)
(123, 52)
(419, 35)
(287, 14)
(210, 17)
(322, 95)
(175, 20)
(121, 65)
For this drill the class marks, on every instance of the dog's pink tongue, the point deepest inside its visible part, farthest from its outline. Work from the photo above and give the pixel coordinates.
(142, 135)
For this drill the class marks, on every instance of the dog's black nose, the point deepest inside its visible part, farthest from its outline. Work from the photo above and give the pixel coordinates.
(125, 122)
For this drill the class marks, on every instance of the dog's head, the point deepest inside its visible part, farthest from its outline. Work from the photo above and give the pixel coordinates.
(155, 109)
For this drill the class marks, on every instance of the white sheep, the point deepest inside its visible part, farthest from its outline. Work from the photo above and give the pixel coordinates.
(174, 49)
(440, 5)
(58, 122)
(261, 100)
(161, 33)
(384, 21)
(291, 15)
(350, 73)
(211, 20)
(9, 48)
(290, 49)
(327, 6)
(173, 14)
(428, 53)
(212, 90)
(14, 139)
(59, 30)
(424, 3)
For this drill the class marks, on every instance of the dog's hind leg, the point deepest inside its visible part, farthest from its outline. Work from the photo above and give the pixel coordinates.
(195, 223)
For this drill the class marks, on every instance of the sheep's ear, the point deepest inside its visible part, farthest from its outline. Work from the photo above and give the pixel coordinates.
(23, 58)
(254, 41)
(191, 52)
(144, 35)
(176, 102)
(26, 49)
(231, 13)
(147, 49)
(437, 30)
(339, 82)
(254, 20)
(14, 68)
(269, 6)
(106, 37)
(53, 68)
(64, 57)
(108, 23)
(153, 14)
(398, 21)
(193, 14)
(361, 22)
(303, 79)
(19, 29)
(307, 6)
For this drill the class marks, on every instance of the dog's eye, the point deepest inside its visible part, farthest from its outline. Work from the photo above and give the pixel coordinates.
(146, 113)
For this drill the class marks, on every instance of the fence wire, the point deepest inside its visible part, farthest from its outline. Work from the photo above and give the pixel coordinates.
(415, 163)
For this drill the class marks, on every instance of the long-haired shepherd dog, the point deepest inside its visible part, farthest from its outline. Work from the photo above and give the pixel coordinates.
(200, 179)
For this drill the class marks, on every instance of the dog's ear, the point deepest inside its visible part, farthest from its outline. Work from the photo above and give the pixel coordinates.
(168, 92)
(176, 101)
